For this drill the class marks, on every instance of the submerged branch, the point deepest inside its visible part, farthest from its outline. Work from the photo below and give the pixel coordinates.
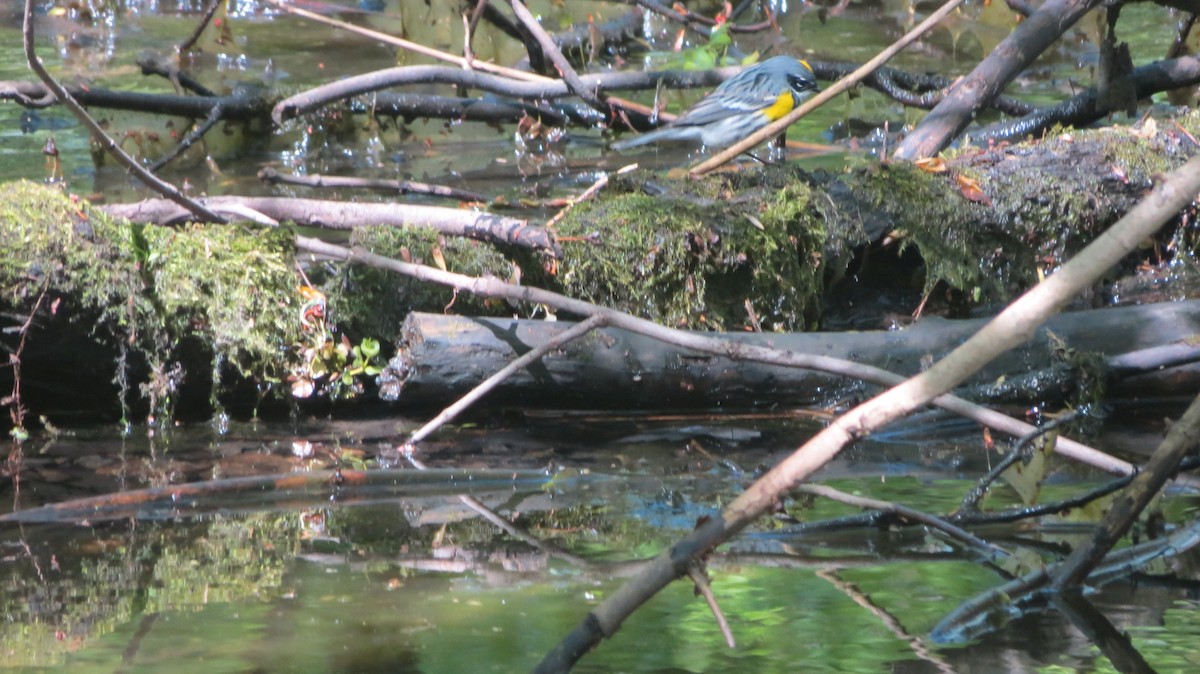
(1086, 107)
(1183, 437)
(271, 176)
(1009, 329)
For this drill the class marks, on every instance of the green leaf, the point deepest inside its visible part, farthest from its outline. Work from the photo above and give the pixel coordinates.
(370, 347)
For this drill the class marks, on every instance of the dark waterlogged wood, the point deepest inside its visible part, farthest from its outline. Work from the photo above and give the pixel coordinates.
(441, 357)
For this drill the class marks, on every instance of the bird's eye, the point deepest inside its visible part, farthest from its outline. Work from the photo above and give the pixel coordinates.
(799, 83)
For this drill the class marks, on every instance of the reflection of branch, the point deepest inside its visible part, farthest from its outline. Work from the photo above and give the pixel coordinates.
(190, 139)
(153, 63)
(135, 642)
(893, 624)
(1006, 331)
(164, 188)
(704, 587)
(519, 534)
(204, 21)
(958, 533)
(1112, 642)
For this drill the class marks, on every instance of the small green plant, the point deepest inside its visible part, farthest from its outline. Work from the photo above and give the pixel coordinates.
(329, 365)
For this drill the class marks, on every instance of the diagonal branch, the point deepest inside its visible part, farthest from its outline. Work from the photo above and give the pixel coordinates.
(556, 57)
(1182, 438)
(491, 287)
(1007, 330)
(1030, 38)
(162, 187)
(845, 84)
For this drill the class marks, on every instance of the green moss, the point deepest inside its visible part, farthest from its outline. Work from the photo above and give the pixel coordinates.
(928, 214)
(693, 253)
(233, 286)
(1045, 205)
(230, 288)
(374, 302)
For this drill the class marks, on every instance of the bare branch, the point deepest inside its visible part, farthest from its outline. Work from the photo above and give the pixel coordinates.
(164, 188)
(780, 125)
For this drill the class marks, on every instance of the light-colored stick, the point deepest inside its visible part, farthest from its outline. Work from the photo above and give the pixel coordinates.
(779, 125)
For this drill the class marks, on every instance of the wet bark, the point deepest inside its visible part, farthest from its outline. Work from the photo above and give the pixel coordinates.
(441, 357)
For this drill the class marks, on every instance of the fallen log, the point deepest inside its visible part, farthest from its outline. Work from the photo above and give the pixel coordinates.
(439, 358)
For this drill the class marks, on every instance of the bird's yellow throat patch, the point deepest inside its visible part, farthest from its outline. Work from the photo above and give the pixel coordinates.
(782, 106)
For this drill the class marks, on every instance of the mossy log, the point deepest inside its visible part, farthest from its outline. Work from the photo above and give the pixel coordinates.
(697, 252)
(705, 254)
(441, 357)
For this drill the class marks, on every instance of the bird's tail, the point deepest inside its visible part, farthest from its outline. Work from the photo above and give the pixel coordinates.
(645, 138)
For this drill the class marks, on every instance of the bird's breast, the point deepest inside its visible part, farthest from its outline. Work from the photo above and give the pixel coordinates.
(782, 106)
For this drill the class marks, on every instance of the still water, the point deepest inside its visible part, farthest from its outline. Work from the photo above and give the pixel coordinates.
(404, 575)
(329, 577)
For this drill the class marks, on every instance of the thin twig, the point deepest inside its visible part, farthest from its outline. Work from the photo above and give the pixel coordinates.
(162, 187)
(970, 501)
(704, 587)
(915, 643)
(498, 378)
(1055, 507)
(190, 139)
(588, 194)
(779, 126)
